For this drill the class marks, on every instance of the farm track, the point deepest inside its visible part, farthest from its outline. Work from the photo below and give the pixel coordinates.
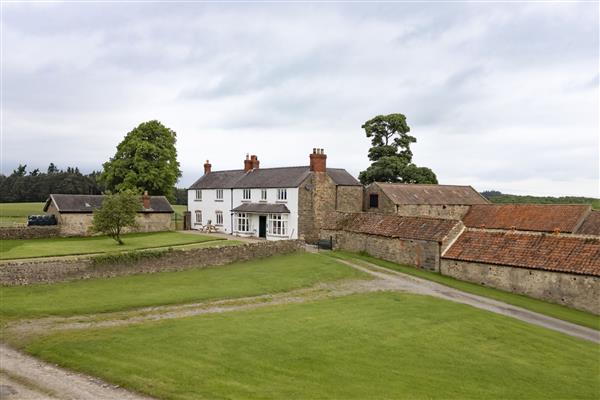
(23, 377)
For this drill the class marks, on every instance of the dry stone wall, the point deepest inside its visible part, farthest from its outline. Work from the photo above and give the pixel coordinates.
(572, 290)
(29, 232)
(66, 269)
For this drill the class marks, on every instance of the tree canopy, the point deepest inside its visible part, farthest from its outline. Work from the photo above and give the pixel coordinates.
(117, 212)
(390, 152)
(146, 160)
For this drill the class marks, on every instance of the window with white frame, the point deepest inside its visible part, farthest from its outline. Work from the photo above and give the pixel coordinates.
(219, 194)
(198, 217)
(263, 194)
(282, 194)
(242, 223)
(246, 194)
(219, 217)
(278, 224)
(198, 194)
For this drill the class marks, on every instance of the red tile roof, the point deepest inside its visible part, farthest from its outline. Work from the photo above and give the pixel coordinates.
(527, 217)
(392, 225)
(591, 224)
(537, 251)
(405, 193)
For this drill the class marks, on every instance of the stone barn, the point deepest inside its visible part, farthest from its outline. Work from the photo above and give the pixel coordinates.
(74, 213)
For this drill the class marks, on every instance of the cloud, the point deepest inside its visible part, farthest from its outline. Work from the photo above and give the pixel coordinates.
(503, 96)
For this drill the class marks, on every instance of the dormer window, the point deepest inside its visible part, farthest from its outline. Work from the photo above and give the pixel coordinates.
(373, 200)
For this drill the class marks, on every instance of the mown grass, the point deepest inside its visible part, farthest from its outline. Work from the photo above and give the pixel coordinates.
(553, 310)
(375, 346)
(270, 275)
(32, 248)
(16, 213)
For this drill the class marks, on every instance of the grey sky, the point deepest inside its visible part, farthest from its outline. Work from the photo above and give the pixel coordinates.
(499, 96)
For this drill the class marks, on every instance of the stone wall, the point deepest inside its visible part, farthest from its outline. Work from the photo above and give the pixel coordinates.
(434, 211)
(572, 290)
(66, 269)
(349, 198)
(74, 224)
(29, 232)
(385, 204)
(418, 253)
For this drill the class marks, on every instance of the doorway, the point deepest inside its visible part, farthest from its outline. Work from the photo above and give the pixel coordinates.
(262, 226)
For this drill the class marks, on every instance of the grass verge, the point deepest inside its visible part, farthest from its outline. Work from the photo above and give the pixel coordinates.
(553, 310)
(269, 275)
(368, 346)
(66, 246)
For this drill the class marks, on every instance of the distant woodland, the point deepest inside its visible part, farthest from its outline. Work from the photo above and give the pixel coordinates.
(497, 197)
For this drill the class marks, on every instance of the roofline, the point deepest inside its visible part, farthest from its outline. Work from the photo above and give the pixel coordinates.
(140, 212)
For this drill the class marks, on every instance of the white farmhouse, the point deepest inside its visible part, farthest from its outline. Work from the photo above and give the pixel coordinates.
(273, 203)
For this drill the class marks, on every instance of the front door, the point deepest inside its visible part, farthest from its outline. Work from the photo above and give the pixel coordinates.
(262, 226)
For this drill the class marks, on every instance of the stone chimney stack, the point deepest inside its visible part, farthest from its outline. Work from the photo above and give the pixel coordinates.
(146, 200)
(247, 163)
(255, 162)
(207, 167)
(318, 161)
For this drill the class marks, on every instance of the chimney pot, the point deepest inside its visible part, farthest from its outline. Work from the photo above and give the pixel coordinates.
(207, 167)
(318, 160)
(146, 200)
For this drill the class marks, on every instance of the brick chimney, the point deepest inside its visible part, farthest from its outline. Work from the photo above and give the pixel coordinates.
(318, 161)
(207, 167)
(146, 200)
(255, 162)
(247, 163)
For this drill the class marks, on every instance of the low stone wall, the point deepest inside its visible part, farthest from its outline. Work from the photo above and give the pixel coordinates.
(29, 232)
(418, 253)
(572, 290)
(66, 269)
(450, 211)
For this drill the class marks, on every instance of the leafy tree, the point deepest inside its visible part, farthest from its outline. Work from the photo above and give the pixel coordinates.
(117, 212)
(390, 152)
(145, 160)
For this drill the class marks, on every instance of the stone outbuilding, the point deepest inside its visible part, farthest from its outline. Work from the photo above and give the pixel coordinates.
(421, 200)
(74, 213)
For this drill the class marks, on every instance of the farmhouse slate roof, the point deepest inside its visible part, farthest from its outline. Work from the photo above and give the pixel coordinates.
(393, 225)
(536, 251)
(268, 178)
(404, 194)
(527, 217)
(83, 203)
(590, 225)
(262, 208)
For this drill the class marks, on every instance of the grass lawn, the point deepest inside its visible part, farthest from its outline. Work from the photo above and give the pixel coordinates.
(11, 213)
(269, 275)
(553, 310)
(30, 248)
(375, 346)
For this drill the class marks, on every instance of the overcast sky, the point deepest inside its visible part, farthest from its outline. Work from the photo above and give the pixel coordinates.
(500, 96)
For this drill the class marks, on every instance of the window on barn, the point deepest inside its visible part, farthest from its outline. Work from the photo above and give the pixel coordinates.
(219, 217)
(373, 200)
(219, 194)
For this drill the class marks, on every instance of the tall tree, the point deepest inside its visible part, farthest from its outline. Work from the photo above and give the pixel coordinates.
(390, 152)
(145, 160)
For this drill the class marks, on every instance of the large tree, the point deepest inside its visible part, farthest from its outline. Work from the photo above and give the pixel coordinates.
(145, 160)
(390, 152)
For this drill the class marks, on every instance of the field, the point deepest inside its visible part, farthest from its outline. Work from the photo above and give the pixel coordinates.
(32, 248)
(553, 310)
(307, 335)
(16, 213)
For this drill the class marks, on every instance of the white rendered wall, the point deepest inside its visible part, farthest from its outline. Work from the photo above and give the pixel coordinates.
(209, 205)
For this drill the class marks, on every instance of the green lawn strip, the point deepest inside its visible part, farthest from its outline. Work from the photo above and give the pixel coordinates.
(268, 275)
(553, 310)
(64, 246)
(368, 346)
(21, 209)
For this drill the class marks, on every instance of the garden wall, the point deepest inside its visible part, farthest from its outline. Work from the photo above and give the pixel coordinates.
(140, 262)
(28, 232)
(419, 253)
(572, 290)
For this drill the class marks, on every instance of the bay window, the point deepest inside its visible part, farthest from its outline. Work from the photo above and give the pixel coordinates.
(278, 224)
(242, 223)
